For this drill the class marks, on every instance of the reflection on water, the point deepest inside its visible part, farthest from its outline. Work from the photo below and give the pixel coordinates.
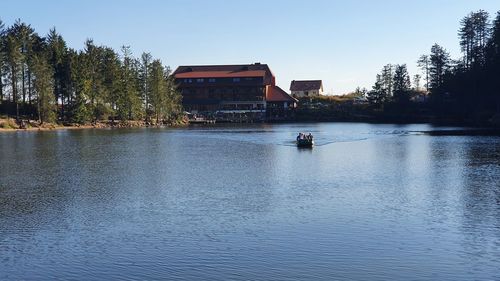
(371, 202)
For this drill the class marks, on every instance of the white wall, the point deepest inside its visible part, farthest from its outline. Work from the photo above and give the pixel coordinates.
(301, 94)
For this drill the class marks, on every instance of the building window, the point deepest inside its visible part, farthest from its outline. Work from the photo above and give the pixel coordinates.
(211, 80)
(200, 80)
(236, 79)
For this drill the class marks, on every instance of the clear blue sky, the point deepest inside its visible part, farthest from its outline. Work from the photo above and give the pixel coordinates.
(344, 43)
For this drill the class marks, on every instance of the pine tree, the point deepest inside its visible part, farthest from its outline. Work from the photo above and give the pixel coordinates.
(424, 64)
(13, 59)
(474, 33)
(402, 84)
(44, 87)
(145, 83)
(2, 58)
(378, 95)
(387, 79)
(439, 65)
(158, 89)
(57, 51)
(129, 105)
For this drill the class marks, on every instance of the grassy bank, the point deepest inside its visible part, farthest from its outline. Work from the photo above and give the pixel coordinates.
(10, 125)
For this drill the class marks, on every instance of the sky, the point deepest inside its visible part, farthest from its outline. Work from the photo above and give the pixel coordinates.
(344, 43)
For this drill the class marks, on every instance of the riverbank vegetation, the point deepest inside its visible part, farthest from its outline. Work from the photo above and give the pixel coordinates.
(43, 81)
(465, 90)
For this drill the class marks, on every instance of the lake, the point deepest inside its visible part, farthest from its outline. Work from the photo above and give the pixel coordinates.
(368, 202)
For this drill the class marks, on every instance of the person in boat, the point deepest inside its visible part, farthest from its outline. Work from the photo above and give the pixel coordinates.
(310, 137)
(300, 136)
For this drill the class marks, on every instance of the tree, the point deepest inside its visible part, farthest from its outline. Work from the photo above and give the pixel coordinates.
(439, 65)
(144, 80)
(57, 51)
(25, 35)
(2, 58)
(494, 42)
(493, 62)
(387, 79)
(110, 73)
(473, 33)
(466, 34)
(81, 111)
(416, 82)
(13, 59)
(44, 87)
(378, 95)
(158, 89)
(174, 98)
(402, 84)
(424, 64)
(129, 104)
(360, 93)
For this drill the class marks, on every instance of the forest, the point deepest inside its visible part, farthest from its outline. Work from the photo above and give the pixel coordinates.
(466, 89)
(44, 80)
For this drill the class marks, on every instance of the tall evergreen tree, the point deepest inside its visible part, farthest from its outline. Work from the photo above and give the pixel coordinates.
(25, 34)
(424, 64)
(44, 84)
(81, 111)
(378, 95)
(129, 105)
(388, 79)
(57, 51)
(13, 60)
(158, 89)
(2, 58)
(416, 82)
(439, 65)
(145, 81)
(402, 84)
(474, 34)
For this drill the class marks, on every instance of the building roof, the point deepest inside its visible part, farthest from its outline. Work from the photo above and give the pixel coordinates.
(276, 94)
(306, 85)
(221, 74)
(220, 71)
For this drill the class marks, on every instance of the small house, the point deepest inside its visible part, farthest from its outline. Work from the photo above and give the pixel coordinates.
(306, 88)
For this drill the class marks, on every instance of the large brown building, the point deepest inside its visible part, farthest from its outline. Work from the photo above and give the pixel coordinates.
(232, 89)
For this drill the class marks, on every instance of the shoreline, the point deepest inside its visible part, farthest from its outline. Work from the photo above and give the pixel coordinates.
(99, 125)
(142, 124)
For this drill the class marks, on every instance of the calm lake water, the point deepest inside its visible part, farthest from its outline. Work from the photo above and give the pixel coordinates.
(368, 202)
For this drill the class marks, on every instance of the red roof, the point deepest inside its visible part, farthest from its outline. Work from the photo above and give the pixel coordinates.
(276, 94)
(221, 74)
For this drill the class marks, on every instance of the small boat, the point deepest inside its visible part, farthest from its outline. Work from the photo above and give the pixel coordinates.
(304, 140)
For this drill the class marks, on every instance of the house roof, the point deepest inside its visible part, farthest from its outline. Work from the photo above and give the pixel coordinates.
(276, 94)
(306, 85)
(220, 71)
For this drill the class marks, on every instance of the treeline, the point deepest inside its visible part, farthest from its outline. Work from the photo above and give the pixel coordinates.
(42, 78)
(464, 88)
